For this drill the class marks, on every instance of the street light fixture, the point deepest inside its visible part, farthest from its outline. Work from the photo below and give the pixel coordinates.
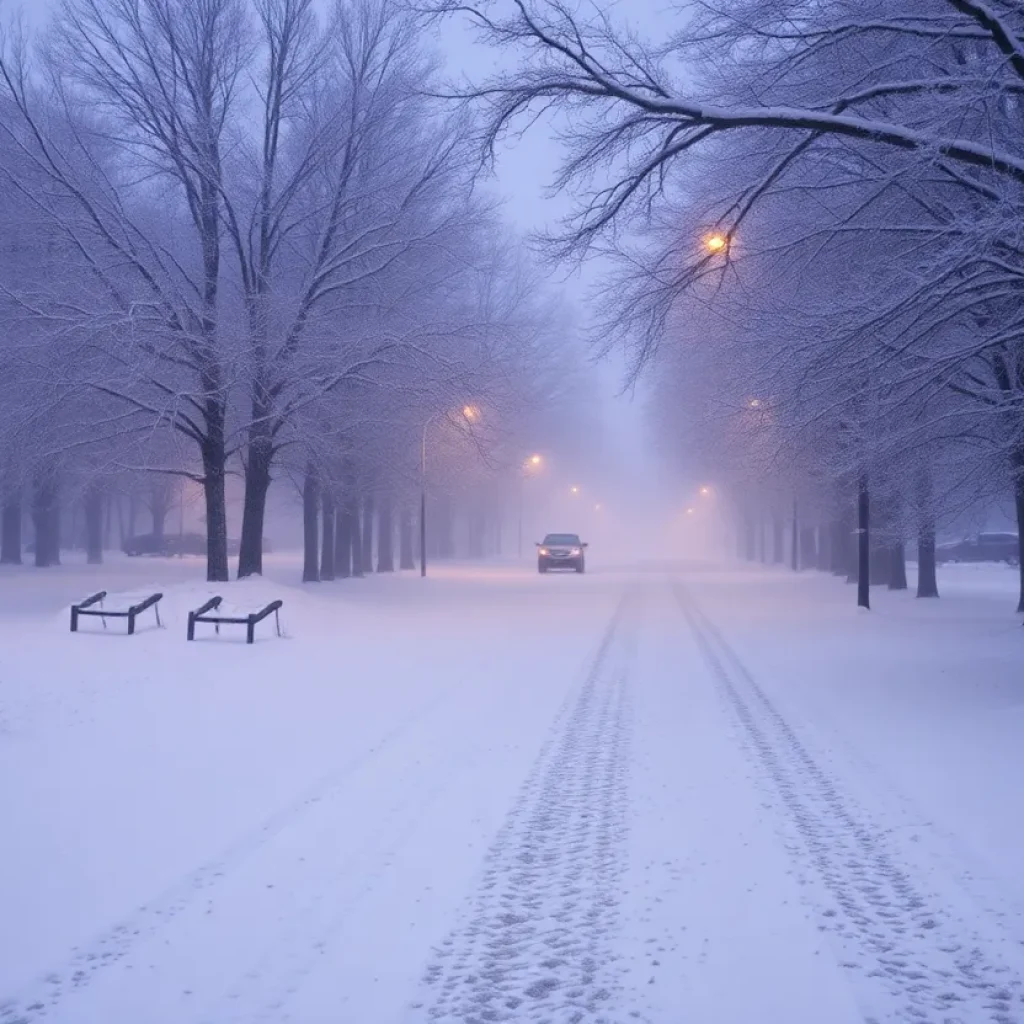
(574, 489)
(705, 491)
(716, 242)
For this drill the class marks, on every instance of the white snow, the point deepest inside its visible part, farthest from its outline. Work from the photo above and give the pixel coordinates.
(676, 794)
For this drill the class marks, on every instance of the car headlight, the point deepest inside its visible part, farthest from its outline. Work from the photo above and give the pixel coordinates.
(575, 551)
(543, 551)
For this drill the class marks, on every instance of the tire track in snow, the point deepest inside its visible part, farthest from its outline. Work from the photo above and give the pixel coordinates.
(912, 953)
(35, 1000)
(536, 946)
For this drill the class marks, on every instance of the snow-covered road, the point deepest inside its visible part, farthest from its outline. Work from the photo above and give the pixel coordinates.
(664, 795)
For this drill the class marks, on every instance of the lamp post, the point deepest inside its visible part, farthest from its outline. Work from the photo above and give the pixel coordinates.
(423, 498)
(470, 413)
(532, 463)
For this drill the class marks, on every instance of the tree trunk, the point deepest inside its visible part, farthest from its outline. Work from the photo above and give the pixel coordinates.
(73, 539)
(367, 553)
(46, 522)
(897, 566)
(94, 524)
(851, 537)
(310, 526)
(254, 506)
(356, 536)
(881, 563)
(794, 554)
(1018, 501)
(840, 559)
(216, 503)
(343, 543)
(927, 578)
(385, 537)
(133, 513)
(327, 566)
(750, 530)
(122, 526)
(778, 540)
(406, 552)
(10, 530)
(762, 553)
(808, 547)
(159, 514)
(863, 543)
(108, 519)
(825, 534)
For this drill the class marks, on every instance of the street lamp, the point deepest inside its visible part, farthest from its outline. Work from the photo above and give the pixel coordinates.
(530, 464)
(690, 511)
(574, 489)
(470, 413)
(705, 491)
(716, 243)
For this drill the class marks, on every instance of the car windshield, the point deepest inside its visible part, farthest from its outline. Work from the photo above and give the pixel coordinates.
(561, 538)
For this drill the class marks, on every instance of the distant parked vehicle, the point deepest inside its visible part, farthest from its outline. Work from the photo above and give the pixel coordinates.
(561, 551)
(984, 547)
(166, 545)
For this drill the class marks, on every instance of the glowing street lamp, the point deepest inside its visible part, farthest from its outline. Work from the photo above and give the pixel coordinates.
(690, 511)
(574, 489)
(533, 462)
(705, 491)
(471, 413)
(716, 243)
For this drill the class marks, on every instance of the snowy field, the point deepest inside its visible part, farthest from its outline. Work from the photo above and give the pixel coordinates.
(663, 794)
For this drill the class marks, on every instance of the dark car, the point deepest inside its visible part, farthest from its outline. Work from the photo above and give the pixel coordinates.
(561, 551)
(165, 545)
(985, 547)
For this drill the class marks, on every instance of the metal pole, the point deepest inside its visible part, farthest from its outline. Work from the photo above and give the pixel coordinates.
(423, 501)
(522, 487)
(795, 553)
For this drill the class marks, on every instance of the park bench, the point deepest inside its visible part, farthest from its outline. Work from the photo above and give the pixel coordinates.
(211, 612)
(94, 606)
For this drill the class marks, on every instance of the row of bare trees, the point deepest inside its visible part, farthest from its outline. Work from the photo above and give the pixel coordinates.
(814, 208)
(241, 237)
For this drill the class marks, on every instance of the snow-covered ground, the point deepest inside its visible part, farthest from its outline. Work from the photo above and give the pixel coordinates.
(661, 794)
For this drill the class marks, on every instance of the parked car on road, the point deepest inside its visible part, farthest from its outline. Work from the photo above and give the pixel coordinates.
(984, 547)
(561, 551)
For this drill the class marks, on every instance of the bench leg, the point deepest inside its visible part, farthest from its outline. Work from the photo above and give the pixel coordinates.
(191, 634)
(131, 623)
(74, 619)
(250, 631)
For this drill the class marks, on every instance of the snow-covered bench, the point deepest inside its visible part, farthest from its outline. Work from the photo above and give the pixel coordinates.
(217, 613)
(130, 606)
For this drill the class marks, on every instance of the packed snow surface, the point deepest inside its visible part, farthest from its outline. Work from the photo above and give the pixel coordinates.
(663, 794)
